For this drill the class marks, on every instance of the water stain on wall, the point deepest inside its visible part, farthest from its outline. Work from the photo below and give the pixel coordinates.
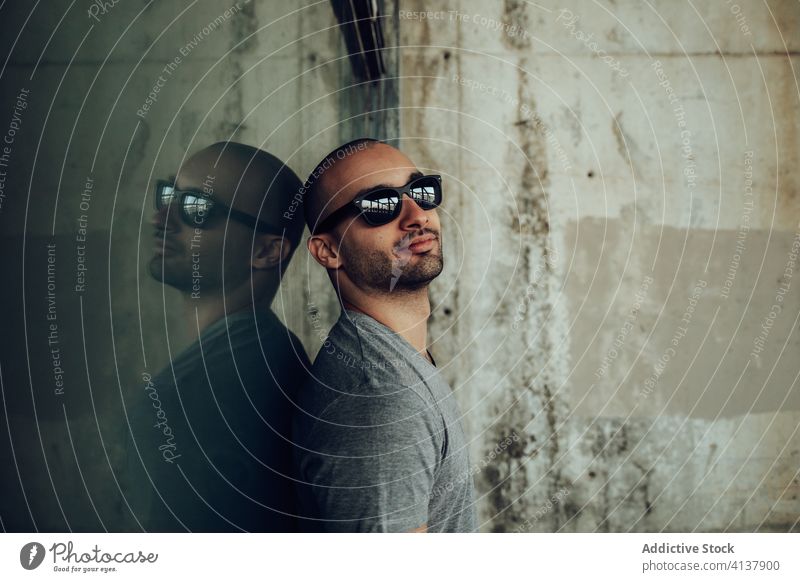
(528, 475)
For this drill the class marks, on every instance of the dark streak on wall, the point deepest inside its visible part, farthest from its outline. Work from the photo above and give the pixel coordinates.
(530, 406)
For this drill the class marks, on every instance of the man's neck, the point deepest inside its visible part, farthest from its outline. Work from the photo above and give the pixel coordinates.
(405, 313)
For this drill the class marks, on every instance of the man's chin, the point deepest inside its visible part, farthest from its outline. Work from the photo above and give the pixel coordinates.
(415, 277)
(156, 268)
(161, 271)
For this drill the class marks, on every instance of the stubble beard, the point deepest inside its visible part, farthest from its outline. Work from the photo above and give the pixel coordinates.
(399, 272)
(173, 271)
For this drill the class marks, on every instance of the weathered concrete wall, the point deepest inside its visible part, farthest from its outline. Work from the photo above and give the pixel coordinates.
(621, 214)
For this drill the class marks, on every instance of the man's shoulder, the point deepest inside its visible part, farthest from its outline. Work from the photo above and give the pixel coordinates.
(354, 380)
(361, 374)
(352, 366)
(261, 332)
(245, 346)
(370, 406)
(247, 354)
(370, 355)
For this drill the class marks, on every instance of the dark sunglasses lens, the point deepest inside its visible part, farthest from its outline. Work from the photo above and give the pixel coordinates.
(427, 192)
(164, 195)
(380, 207)
(195, 209)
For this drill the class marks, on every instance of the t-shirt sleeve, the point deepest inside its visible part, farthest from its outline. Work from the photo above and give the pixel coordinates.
(370, 461)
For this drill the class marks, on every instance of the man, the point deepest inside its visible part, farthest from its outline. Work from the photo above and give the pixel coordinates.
(211, 448)
(379, 440)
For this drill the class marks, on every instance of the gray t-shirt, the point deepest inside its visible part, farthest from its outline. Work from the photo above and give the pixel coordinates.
(379, 443)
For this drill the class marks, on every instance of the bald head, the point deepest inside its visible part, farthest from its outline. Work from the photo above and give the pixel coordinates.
(331, 180)
(249, 180)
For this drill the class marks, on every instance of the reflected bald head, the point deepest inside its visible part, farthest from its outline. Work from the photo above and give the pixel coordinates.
(249, 180)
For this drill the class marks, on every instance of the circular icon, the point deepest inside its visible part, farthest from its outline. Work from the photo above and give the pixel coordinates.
(31, 555)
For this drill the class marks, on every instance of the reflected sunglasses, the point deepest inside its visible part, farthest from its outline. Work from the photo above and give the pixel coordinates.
(196, 208)
(383, 204)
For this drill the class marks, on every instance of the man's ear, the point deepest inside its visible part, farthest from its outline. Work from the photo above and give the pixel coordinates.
(269, 251)
(325, 250)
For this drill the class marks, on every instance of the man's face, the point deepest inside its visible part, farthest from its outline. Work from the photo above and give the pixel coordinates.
(405, 254)
(194, 259)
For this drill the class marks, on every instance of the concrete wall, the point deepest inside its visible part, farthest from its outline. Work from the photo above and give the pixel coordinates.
(622, 200)
(616, 232)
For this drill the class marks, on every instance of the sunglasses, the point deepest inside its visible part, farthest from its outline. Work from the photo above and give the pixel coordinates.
(383, 204)
(197, 208)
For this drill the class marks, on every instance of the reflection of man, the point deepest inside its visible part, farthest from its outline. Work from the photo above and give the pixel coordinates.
(380, 444)
(212, 429)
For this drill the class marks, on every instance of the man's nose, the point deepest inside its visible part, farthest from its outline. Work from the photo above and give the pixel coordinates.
(411, 215)
(166, 218)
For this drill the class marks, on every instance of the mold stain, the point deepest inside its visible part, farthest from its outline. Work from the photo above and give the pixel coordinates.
(643, 490)
(531, 213)
(231, 125)
(528, 475)
(627, 147)
(625, 499)
(506, 479)
(515, 17)
(244, 25)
